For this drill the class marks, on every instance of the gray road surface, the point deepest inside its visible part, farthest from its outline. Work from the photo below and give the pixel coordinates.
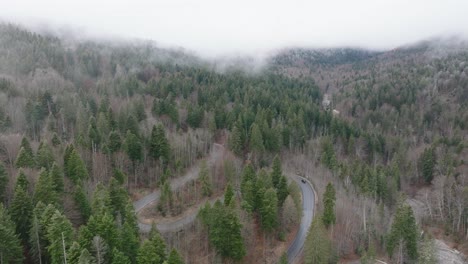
(308, 204)
(215, 155)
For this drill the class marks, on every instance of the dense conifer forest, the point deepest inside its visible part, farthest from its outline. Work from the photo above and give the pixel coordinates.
(88, 128)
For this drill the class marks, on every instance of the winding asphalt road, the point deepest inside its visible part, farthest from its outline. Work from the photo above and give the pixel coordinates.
(308, 209)
(308, 205)
(215, 155)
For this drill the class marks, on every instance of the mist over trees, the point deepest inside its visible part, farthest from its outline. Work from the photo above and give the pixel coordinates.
(87, 127)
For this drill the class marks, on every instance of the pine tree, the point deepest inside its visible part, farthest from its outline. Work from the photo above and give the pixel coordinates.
(74, 252)
(174, 257)
(45, 189)
(205, 178)
(115, 142)
(119, 258)
(11, 250)
(328, 154)
(82, 202)
(133, 148)
(3, 182)
(269, 210)
(66, 158)
(276, 172)
(44, 157)
(56, 176)
(159, 146)
(147, 254)
(60, 235)
(256, 139)
(21, 181)
(225, 233)
(317, 246)
(403, 233)
(235, 141)
(130, 241)
(282, 190)
(228, 195)
(36, 239)
(283, 259)
(55, 140)
(165, 201)
(329, 198)
(24, 159)
(86, 257)
(427, 163)
(21, 211)
(75, 168)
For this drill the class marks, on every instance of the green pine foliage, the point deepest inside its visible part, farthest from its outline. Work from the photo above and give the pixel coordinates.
(44, 156)
(269, 210)
(159, 148)
(59, 233)
(11, 250)
(204, 177)
(317, 247)
(403, 233)
(3, 182)
(224, 230)
(329, 199)
(21, 211)
(45, 189)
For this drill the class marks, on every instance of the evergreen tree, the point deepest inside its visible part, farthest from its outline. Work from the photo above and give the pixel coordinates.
(10, 244)
(228, 195)
(44, 157)
(73, 254)
(21, 211)
(45, 189)
(269, 210)
(36, 239)
(317, 246)
(235, 141)
(329, 198)
(403, 233)
(3, 182)
(82, 202)
(276, 173)
(328, 154)
(60, 235)
(56, 176)
(24, 159)
(174, 257)
(147, 254)
(159, 145)
(133, 148)
(55, 140)
(21, 181)
(224, 231)
(427, 162)
(129, 241)
(86, 257)
(205, 178)
(115, 142)
(282, 190)
(119, 258)
(75, 168)
(66, 158)
(153, 250)
(165, 201)
(256, 139)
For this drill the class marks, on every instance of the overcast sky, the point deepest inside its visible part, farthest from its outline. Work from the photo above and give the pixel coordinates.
(215, 27)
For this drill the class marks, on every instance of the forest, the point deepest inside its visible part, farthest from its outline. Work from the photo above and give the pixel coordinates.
(91, 128)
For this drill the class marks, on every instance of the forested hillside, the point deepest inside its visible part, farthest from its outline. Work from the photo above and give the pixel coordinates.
(89, 127)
